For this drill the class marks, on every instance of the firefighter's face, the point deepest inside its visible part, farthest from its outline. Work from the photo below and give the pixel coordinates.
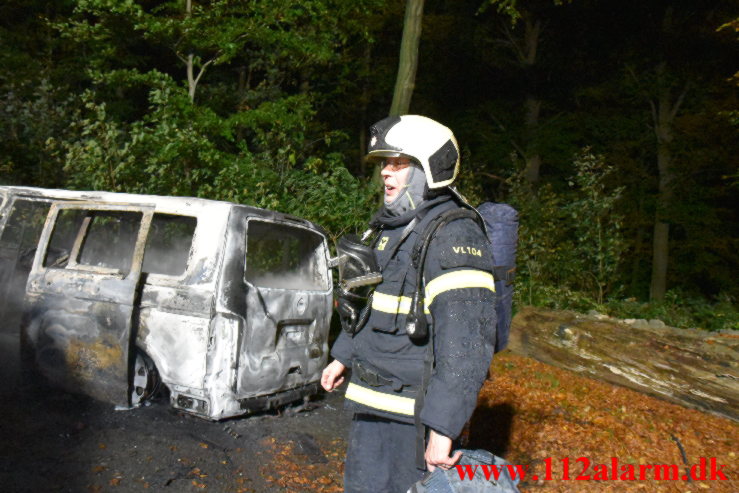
(395, 176)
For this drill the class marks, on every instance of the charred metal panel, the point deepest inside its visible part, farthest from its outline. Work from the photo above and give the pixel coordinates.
(81, 320)
(80, 345)
(229, 330)
(284, 344)
(288, 297)
(177, 343)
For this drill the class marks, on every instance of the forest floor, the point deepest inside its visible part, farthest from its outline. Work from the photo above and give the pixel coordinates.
(528, 412)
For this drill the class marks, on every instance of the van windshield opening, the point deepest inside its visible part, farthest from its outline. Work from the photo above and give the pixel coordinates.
(285, 257)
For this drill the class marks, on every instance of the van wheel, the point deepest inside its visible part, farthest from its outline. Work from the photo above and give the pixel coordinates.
(145, 379)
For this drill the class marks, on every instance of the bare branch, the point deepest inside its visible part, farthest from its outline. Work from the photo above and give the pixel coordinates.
(512, 142)
(655, 117)
(679, 101)
(492, 176)
(513, 43)
(205, 65)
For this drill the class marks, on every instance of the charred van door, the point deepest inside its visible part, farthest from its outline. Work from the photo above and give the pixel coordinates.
(81, 294)
(288, 308)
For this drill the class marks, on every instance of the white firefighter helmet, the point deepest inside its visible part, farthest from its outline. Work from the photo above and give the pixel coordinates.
(425, 141)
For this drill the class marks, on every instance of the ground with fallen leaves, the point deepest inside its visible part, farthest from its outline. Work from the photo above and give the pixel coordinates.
(528, 412)
(547, 412)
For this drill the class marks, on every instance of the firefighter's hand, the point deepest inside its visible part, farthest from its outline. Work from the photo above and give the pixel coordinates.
(438, 450)
(331, 377)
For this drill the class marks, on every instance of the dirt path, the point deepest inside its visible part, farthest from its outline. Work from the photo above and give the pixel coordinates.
(54, 441)
(527, 412)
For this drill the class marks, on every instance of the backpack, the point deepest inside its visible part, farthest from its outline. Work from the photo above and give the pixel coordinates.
(501, 226)
(501, 223)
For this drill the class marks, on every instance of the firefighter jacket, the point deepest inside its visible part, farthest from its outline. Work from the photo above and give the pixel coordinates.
(459, 298)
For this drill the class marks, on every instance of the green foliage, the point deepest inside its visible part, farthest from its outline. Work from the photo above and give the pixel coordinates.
(598, 241)
(570, 240)
(251, 135)
(178, 149)
(680, 310)
(29, 115)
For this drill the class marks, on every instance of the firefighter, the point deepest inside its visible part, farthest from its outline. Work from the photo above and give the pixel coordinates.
(411, 394)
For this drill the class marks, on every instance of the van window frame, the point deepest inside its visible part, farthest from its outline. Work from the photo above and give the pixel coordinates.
(154, 277)
(45, 243)
(324, 258)
(10, 202)
(4, 199)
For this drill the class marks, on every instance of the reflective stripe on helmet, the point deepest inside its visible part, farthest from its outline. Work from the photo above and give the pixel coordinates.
(459, 279)
(380, 400)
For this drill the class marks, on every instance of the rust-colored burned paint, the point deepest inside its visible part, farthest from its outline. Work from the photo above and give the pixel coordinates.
(87, 359)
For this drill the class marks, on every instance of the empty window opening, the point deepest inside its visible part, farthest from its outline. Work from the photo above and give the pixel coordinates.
(279, 256)
(18, 244)
(66, 228)
(110, 240)
(168, 245)
(108, 243)
(23, 228)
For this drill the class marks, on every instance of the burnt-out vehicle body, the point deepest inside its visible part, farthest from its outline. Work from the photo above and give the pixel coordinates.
(227, 305)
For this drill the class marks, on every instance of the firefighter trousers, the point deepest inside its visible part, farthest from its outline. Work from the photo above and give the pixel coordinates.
(381, 456)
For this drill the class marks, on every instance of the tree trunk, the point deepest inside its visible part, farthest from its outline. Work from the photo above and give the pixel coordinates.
(532, 32)
(533, 158)
(686, 366)
(663, 115)
(638, 244)
(525, 50)
(661, 241)
(406, 79)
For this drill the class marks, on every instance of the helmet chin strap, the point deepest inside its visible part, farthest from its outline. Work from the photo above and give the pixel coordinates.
(411, 196)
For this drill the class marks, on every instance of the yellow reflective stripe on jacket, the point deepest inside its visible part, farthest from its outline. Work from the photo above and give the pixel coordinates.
(380, 400)
(390, 304)
(458, 279)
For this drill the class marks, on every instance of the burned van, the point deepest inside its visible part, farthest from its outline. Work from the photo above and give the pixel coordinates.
(227, 305)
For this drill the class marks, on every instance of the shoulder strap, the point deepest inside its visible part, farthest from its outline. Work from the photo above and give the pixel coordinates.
(416, 323)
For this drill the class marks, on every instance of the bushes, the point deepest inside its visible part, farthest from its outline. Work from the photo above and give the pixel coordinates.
(572, 239)
(680, 310)
(571, 249)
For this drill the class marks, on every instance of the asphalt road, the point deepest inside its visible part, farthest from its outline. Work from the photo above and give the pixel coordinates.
(51, 440)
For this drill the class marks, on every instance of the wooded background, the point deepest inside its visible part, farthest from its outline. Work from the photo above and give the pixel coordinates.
(610, 124)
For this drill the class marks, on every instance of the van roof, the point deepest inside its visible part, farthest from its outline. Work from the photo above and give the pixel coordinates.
(170, 204)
